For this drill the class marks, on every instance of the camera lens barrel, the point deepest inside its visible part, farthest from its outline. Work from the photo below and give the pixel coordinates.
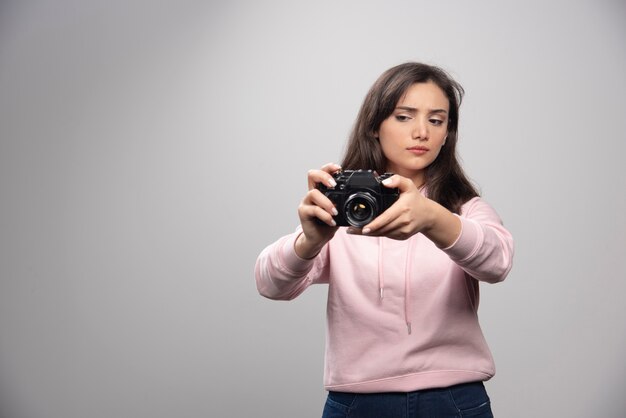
(360, 209)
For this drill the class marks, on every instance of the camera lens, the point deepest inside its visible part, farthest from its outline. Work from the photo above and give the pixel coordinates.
(360, 209)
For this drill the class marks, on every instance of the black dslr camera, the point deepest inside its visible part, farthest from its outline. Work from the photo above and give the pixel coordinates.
(359, 196)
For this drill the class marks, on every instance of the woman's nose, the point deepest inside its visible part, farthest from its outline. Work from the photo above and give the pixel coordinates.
(420, 130)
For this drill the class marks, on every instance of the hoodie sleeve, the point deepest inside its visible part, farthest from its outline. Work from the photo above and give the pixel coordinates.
(282, 275)
(484, 249)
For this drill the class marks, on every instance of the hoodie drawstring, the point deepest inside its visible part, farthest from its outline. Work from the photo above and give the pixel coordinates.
(407, 285)
(407, 279)
(381, 279)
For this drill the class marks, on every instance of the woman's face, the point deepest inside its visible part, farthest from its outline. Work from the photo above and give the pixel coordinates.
(412, 136)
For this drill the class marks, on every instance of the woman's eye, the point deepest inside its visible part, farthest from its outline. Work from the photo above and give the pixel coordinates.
(436, 122)
(402, 118)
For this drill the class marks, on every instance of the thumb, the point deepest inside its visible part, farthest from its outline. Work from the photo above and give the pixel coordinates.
(402, 183)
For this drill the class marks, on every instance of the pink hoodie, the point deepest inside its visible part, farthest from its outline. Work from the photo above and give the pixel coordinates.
(402, 315)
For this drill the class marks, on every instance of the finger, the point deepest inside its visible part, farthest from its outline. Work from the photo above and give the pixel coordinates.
(323, 175)
(331, 168)
(311, 212)
(402, 183)
(320, 176)
(396, 229)
(381, 221)
(316, 198)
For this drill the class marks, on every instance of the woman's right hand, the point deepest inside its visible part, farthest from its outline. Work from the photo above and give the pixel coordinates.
(315, 206)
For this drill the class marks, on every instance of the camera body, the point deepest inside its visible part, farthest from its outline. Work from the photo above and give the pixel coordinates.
(359, 196)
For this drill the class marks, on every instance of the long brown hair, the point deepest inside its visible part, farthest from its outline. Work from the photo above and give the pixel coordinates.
(446, 183)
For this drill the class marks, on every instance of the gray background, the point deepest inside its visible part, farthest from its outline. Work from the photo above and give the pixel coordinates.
(150, 150)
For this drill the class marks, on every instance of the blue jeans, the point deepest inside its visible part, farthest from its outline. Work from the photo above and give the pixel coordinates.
(464, 400)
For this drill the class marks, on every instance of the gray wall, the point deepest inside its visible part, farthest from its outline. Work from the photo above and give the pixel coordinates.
(150, 150)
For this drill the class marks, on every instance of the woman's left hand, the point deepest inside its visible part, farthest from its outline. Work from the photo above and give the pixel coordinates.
(413, 213)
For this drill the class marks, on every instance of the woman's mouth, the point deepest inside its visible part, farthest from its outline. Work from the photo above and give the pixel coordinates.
(418, 150)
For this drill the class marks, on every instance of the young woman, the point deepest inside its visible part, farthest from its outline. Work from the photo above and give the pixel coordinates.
(403, 335)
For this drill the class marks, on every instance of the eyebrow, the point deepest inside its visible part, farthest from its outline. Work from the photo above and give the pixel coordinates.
(414, 110)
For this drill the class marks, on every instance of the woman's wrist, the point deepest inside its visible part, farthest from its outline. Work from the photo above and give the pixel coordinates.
(443, 227)
(305, 249)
